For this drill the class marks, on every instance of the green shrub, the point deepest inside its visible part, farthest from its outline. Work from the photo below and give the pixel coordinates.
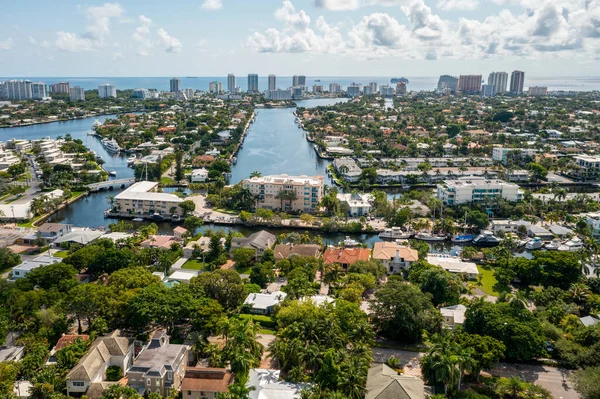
(113, 373)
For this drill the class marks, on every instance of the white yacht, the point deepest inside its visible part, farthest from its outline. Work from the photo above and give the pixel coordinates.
(424, 236)
(574, 244)
(554, 244)
(349, 242)
(111, 145)
(131, 159)
(96, 124)
(395, 233)
(534, 244)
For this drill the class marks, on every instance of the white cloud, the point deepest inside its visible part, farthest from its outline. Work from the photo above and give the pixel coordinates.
(457, 4)
(172, 44)
(141, 36)
(32, 41)
(6, 44)
(98, 28)
(50, 58)
(345, 5)
(212, 4)
(117, 56)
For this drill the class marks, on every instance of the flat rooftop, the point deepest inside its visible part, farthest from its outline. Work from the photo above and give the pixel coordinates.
(476, 182)
(282, 179)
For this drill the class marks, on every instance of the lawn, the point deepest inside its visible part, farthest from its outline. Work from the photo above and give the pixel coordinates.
(167, 181)
(488, 281)
(193, 264)
(61, 254)
(243, 270)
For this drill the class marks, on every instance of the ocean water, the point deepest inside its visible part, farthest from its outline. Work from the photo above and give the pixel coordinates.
(585, 83)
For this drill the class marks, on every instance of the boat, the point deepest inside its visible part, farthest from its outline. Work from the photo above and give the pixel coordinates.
(349, 242)
(536, 243)
(397, 80)
(96, 124)
(158, 216)
(574, 244)
(131, 159)
(138, 219)
(234, 160)
(462, 238)
(111, 145)
(430, 237)
(486, 239)
(395, 233)
(112, 173)
(554, 244)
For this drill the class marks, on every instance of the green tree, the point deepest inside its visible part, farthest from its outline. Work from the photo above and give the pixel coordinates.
(586, 382)
(187, 207)
(243, 256)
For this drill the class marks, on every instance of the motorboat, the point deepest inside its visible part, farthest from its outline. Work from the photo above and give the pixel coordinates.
(111, 145)
(96, 124)
(462, 238)
(349, 242)
(430, 237)
(138, 219)
(395, 233)
(574, 244)
(112, 173)
(554, 244)
(534, 244)
(486, 239)
(131, 159)
(234, 160)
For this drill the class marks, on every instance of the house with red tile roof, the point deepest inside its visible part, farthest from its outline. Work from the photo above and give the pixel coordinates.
(346, 256)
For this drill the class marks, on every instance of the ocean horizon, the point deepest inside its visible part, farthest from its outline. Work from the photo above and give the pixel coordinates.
(416, 83)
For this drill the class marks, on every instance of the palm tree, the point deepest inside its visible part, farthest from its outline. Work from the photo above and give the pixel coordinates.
(579, 292)
(255, 173)
(512, 387)
(465, 362)
(111, 201)
(559, 194)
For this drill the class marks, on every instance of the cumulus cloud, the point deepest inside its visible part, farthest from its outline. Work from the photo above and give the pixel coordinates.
(212, 4)
(141, 36)
(562, 28)
(6, 44)
(98, 28)
(458, 4)
(32, 41)
(172, 44)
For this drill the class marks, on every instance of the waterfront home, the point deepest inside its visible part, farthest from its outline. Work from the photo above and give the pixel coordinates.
(79, 236)
(163, 242)
(259, 241)
(21, 270)
(182, 276)
(286, 251)
(358, 204)
(538, 231)
(110, 350)
(51, 231)
(394, 257)
(308, 192)
(345, 256)
(453, 315)
(477, 189)
(507, 226)
(159, 367)
(202, 243)
(143, 198)
(454, 264)
(200, 382)
(383, 382)
(264, 303)
(199, 175)
(63, 342)
(179, 233)
(267, 384)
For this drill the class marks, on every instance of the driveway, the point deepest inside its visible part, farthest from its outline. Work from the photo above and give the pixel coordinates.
(553, 379)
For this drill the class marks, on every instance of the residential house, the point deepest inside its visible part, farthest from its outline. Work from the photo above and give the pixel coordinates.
(51, 231)
(11, 353)
(163, 242)
(182, 276)
(63, 342)
(538, 231)
(383, 382)
(453, 315)
(268, 384)
(80, 236)
(394, 257)
(110, 350)
(589, 321)
(159, 367)
(286, 251)
(358, 204)
(21, 270)
(179, 232)
(508, 226)
(199, 382)
(264, 303)
(203, 244)
(454, 264)
(199, 175)
(345, 256)
(259, 241)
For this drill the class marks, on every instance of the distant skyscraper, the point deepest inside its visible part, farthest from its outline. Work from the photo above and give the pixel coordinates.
(231, 83)
(499, 80)
(175, 85)
(215, 87)
(278, 94)
(517, 80)
(298, 92)
(16, 90)
(38, 91)
(367, 90)
(138, 93)
(386, 90)
(77, 94)
(400, 88)
(189, 93)
(334, 87)
(252, 83)
(538, 91)
(373, 86)
(272, 82)
(317, 88)
(106, 91)
(299, 80)
(447, 82)
(354, 90)
(488, 90)
(469, 83)
(62, 87)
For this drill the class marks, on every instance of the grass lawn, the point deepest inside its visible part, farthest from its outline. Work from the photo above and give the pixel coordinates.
(243, 270)
(193, 264)
(167, 180)
(488, 281)
(61, 254)
(266, 331)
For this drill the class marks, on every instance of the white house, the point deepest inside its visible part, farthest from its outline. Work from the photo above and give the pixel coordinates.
(264, 303)
(454, 264)
(394, 257)
(358, 204)
(199, 175)
(21, 270)
(453, 315)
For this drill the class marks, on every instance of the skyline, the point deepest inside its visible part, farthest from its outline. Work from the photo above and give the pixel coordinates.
(313, 38)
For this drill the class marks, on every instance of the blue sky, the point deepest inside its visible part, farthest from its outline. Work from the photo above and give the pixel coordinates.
(312, 37)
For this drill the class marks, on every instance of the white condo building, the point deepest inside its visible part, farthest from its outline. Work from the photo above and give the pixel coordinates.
(107, 91)
(308, 190)
(278, 94)
(477, 189)
(334, 87)
(499, 80)
(143, 198)
(215, 87)
(16, 90)
(39, 91)
(501, 153)
(77, 93)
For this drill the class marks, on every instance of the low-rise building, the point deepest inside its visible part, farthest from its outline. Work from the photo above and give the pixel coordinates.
(202, 244)
(286, 251)
(259, 241)
(51, 231)
(199, 175)
(383, 382)
(469, 190)
(358, 204)
(453, 315)
(501, 154)
(345, 256)
(264, 303)
(21, 270)
(508, 226)
(267, 384)
(271, 191)
(394, 257)
(589, 166)
(454, 264)
(207, 383)
(143, 198)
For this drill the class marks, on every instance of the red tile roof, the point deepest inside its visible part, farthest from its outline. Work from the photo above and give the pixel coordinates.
(67, 340)
(346, 256)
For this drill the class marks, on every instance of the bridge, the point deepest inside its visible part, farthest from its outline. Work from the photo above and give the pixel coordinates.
(111, 184)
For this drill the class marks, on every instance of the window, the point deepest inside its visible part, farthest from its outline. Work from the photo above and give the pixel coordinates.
(148, 381)
(169, 376)
(189, 392)
(78, 383)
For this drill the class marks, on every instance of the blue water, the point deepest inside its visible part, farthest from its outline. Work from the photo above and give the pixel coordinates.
(201, 83)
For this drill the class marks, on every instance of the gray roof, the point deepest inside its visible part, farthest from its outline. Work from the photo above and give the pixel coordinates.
(11, 353)
(560, 230)
(265, 301)
(262, 239)
(98, 355)
(83, 237)
(385, 383)
(538, 229)
(589, 321)
(160, 356)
